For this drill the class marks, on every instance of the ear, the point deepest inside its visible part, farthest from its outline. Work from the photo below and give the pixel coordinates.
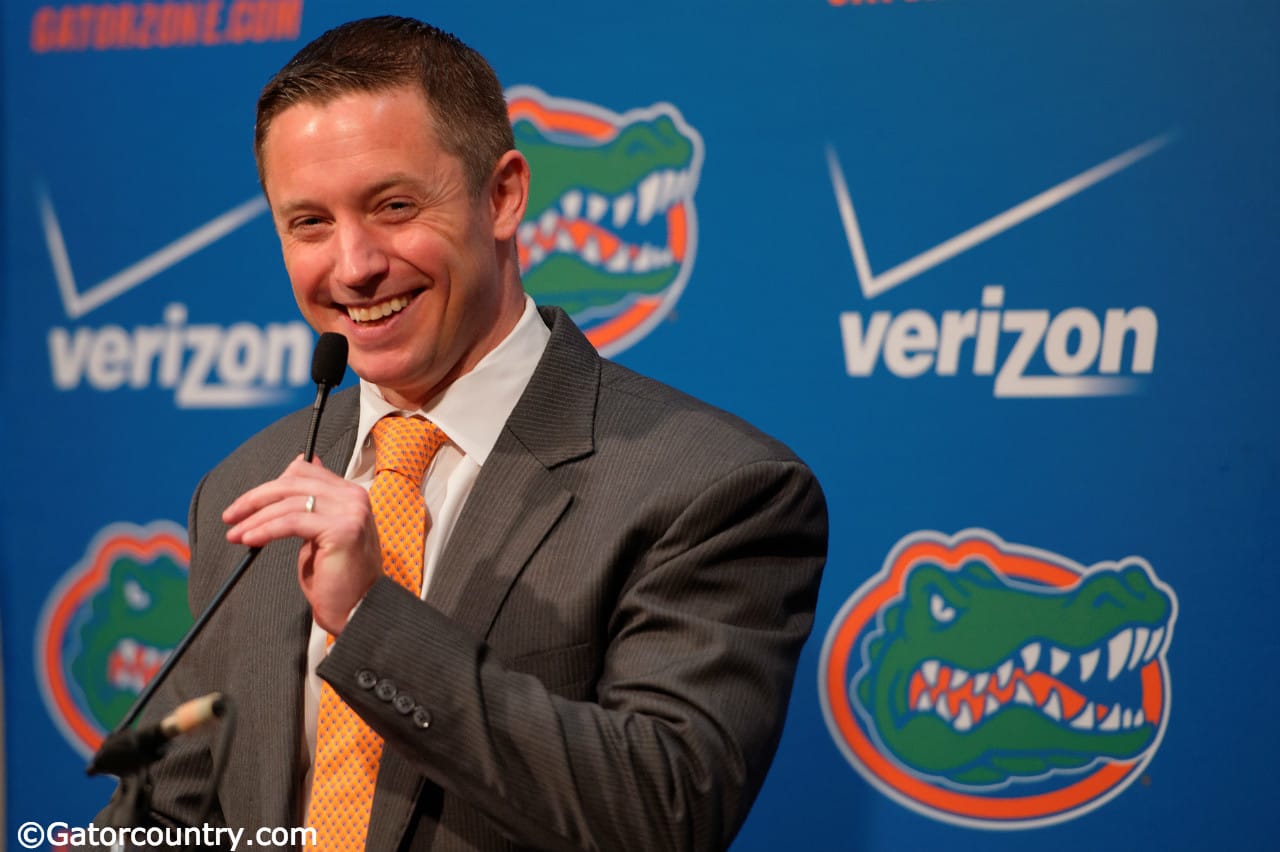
(508, 194)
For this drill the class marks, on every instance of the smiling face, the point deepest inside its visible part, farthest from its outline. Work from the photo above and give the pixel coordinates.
(384, 242)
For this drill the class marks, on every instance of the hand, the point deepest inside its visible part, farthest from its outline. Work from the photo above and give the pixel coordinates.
(340, 557)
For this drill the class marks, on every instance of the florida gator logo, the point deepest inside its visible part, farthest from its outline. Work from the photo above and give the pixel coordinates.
(108, 626)
(998, 686)
(610, 231)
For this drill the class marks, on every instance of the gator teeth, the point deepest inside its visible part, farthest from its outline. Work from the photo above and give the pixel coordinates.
(1053, 706)
(1030, 657)
(1058, 660)
(990, 706)
(958, 678)
(623, 206)
(597, 206)
(964, 719)
(564, 242)
(1139, 718)
(1140, 636)
(571, 204)
(1112, 722)
(618, 262)
(1157, 639)
(527, 232)
(924, 703)
(1004, 673)
(1085, 718)
(591, 251)
(980, 682)
(930, 672)
(1022, 695)
(648, 193)
(1118, 652)
(547, 222)
(1088, 662)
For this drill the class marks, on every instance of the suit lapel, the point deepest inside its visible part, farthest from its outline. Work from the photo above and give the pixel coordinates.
(516, 499)
(515, 503)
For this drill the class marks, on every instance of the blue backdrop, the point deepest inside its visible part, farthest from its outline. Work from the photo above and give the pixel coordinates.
(1001, 272)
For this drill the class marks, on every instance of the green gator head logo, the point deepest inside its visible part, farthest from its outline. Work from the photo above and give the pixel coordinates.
(108, 626)
(610, 232)
(998, 686)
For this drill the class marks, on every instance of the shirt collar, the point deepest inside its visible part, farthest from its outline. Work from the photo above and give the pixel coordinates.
(474, 408)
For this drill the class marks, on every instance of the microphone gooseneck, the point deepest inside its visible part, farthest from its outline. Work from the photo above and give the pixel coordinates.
(328, 365)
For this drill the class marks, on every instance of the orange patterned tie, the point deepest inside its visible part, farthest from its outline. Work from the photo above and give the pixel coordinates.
(347, 750)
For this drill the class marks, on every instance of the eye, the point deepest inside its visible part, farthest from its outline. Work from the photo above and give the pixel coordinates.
(135, 596)
(939, 609)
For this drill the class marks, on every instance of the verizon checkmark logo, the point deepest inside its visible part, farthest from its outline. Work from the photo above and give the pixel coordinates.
(204, 364)
(1031, 353)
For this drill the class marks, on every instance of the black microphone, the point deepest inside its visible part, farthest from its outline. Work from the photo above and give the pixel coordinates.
(127, 751)
(328, 365)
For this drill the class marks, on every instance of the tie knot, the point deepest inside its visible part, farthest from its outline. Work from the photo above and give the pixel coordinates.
(406, 445)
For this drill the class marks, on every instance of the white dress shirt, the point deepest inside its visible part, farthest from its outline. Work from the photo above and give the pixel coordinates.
(471, 411)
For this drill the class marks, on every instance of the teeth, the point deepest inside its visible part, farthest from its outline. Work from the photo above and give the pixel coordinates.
(670, 183)
(622, 207)
(1139, 718)
(964, 721)
(618, 261)
(1053, 707)
(597, 206)
(980, 683)
(528, 231)
(1030, 657)
(1139, 645)
(930, 671)
(536, 254)
(1058, 660)
(378, 311)
(547, 221)
(1084, 721)
(591, 251)
(1004, 673)
(943, 710)
(958, 678)
(1112, 722)
(1118, 652)
(1088, 662)
(1022, 695)
(648, 199)
(1126, 721)
(643, 261)
(564, 242)
(1157, 639)
(571, 204)
(924, 703)
(990, 706)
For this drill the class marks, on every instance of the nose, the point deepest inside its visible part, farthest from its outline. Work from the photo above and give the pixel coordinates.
(360, 259)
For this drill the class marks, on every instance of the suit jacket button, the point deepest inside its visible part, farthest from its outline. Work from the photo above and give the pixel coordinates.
(386, 690)
(422, 717)
(365, 679)
(403, 703)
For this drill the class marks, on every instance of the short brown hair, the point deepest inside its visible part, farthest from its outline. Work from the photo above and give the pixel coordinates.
(387, 52)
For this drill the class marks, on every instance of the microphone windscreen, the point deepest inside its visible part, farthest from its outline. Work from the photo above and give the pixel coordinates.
(329, 363)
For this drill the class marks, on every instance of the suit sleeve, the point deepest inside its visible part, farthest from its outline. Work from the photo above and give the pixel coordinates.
(699, 657)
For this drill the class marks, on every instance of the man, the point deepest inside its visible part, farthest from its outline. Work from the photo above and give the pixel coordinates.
(615, 579)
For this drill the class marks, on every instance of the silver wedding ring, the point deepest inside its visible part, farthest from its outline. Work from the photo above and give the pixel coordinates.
(311, 503)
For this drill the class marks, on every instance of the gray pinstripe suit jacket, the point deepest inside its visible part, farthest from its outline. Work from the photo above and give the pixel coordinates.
(607, 654)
